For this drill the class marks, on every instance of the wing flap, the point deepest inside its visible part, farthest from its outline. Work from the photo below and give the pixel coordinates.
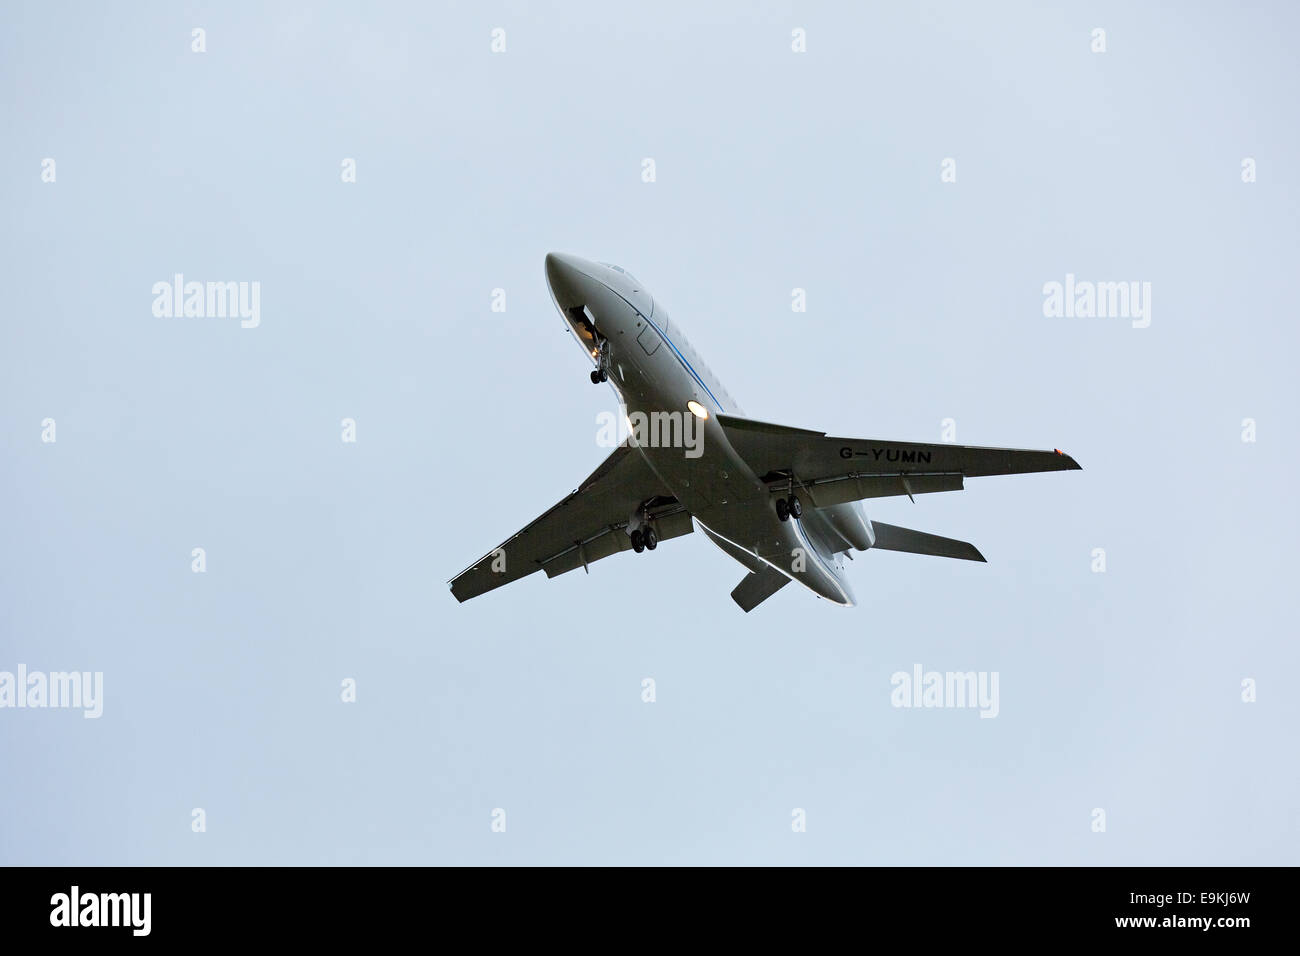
(613, 540)
(824, 492)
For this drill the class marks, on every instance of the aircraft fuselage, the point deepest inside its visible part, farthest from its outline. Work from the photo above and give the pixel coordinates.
(655, 372)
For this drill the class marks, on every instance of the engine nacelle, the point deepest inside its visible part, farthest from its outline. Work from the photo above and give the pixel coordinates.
(851, 524)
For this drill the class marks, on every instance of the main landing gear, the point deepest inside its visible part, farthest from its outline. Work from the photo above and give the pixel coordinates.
(787, 508)
(643, 536)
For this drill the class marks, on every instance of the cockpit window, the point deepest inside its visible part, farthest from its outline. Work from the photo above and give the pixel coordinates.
(621, 270)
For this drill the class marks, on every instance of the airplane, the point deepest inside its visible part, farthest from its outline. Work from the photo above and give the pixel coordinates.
(785, 502)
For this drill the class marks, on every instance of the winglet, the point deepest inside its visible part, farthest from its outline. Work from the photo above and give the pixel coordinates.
(1074, 465)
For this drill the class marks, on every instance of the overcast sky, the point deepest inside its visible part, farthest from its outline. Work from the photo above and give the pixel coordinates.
(326, 561)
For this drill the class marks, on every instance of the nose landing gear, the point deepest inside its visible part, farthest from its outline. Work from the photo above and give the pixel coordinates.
(599, 373)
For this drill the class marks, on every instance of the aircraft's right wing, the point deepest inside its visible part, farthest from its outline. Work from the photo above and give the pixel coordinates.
(831, 471)
(590, 524)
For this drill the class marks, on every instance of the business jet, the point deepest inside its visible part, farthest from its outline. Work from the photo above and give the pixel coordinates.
(786, 503)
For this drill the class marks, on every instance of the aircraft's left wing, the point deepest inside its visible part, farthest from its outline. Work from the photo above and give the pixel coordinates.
(590, 524)
(831, 471)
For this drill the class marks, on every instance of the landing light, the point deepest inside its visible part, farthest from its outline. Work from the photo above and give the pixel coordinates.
(698, 410)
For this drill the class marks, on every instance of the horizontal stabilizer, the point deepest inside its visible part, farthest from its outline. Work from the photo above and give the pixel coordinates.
(893, 538)
(757, 587)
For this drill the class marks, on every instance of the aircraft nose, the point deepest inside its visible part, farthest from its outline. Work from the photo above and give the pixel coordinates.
(558, 262)
(570, 279)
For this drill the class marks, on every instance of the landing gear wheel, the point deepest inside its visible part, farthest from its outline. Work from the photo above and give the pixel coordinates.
(796, 509)
(651, 539)
(782, 509)
(604, 376)
(638, 542)
(595, 376)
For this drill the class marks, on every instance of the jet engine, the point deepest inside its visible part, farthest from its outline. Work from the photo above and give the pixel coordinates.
(851, 524)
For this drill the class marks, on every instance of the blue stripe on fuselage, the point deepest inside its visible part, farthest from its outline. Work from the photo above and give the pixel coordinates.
(681, 358)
